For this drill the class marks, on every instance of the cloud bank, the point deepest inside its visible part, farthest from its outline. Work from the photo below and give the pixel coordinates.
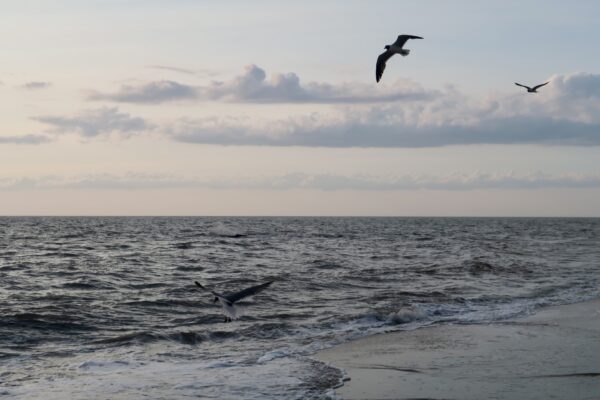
(565, 114)
(325, 182)
(252, 86)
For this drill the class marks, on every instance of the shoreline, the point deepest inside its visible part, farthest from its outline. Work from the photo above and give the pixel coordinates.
(554, 353)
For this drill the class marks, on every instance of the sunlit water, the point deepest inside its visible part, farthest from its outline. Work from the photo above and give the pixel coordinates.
(106, 308)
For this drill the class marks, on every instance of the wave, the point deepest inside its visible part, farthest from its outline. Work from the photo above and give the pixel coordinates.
(183, 245)
(46, 322)
(222, 230)
(325, 264)
(83, 285)
(59, 254)
(401, 316)
(141, 337)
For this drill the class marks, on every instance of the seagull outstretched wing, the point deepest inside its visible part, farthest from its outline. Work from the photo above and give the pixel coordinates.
(539, 86)
(526, 87)
(251, 291)
(380, 66)
(402, 39)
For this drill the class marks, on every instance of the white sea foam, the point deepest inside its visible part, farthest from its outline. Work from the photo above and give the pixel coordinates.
(405, 315)
(105, 379)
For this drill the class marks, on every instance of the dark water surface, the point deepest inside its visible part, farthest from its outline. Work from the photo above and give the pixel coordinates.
(106, 307)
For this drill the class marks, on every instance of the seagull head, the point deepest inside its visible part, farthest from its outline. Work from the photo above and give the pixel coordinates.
(387, 47)
(215, 299)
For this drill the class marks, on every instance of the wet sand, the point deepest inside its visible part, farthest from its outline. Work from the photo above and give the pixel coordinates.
(554, 354)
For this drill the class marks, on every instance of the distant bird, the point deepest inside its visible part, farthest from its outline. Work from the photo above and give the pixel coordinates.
(228, 300)
(532, 89)
(390, 50)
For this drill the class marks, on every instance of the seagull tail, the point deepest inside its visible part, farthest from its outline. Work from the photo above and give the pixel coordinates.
(404, 52)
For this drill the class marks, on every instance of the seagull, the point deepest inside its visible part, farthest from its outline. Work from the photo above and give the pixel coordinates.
(390, 50)
(228, 300)
(532, 89)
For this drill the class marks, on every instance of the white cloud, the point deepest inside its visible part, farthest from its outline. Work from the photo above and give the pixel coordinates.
(93, 123)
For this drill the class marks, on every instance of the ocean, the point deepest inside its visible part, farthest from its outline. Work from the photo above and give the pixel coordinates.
(106, 308)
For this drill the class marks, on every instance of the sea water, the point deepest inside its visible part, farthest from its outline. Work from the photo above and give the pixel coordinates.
(106, 308)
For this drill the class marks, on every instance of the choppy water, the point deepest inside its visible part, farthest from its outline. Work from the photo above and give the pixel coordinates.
(106, 308)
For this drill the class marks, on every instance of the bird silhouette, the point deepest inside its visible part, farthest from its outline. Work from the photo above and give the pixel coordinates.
(390, 50)
(532, 89)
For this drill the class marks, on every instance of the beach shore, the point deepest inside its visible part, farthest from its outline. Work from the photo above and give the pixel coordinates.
(554, 354)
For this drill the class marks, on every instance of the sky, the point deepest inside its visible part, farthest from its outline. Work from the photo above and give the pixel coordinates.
(187, 107)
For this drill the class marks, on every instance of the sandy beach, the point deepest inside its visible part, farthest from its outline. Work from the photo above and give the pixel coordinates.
(554, 354)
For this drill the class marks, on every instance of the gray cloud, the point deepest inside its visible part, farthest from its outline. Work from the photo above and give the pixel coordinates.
(174, 69)
(93, 123)
(565, 114)
(151, 93)
(355, 132)
(254, 87)
(325, 182)
(25, 139)
(579, 85)
(36, 85)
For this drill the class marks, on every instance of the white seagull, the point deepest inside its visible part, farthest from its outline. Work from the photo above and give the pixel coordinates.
(532, 89)
(228, 300)
(390, 50)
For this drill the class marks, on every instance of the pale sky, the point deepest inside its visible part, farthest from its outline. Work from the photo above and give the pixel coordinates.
(269, 108)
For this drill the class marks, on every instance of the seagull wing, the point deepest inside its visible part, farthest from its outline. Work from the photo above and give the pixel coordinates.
(233, 297)
(526, 87)
(539, 86)
(402, 39)
(208, 290)
(380, 67)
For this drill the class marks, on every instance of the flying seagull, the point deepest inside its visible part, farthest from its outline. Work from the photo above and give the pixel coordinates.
(390, 50)
(228, 300)
(532, 89)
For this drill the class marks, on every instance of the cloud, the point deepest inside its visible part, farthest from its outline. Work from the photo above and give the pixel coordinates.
(565, 114)
(174, 69)
(36, 85)
(24, 139)
(579, 85)
(151, 93)
(253, 87)
(352, 130)
(324, 182)
(93, 123)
